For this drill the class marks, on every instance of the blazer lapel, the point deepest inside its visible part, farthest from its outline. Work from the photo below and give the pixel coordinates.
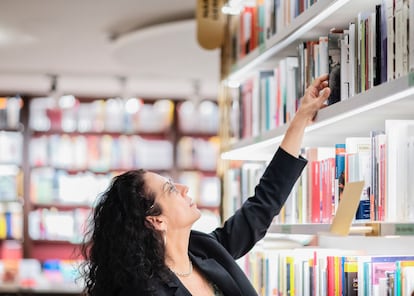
(217, 274)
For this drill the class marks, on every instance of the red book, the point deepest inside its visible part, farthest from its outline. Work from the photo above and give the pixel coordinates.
(247, 108)
(330, 270)
(316, 193)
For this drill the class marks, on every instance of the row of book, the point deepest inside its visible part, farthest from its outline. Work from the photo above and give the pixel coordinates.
(68, 114)
(11, 144)
(384, 160)
(100, 153)
(268, 99)
(204, 189)
(132, 115)
(372, 50)
(53, 186)
(328, 272)
(11, 221)
(54, 224)
(24, 273)
(10, 183)
(198, 153)
(10, 112)
(259, 20)
(198, 117)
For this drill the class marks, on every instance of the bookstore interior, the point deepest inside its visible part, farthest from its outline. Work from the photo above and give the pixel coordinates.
(202, 92)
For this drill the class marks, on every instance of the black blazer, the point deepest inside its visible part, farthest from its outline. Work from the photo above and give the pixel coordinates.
(214, 254)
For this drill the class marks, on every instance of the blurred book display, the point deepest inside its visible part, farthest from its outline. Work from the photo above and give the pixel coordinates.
(75, 147)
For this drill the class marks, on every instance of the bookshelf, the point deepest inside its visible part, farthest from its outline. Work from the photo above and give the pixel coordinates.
(77, 146)
(371, 108)
(197, 152)
(367, 111)
(82, 143)
(63, 152)
(11, 176)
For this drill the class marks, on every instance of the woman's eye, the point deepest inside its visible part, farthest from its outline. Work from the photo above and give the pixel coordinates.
(173, 189)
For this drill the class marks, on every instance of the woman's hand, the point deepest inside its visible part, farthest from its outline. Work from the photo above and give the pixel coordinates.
(313, 100)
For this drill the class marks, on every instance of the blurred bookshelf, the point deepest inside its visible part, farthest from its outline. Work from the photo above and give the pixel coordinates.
(59, 154)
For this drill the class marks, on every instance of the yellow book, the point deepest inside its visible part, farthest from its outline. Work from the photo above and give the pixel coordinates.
(290, 275)
(351, 277)
(402, 276)
(337, 275)
(3, 226)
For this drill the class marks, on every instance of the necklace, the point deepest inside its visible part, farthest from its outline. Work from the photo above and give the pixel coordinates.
(186, 274)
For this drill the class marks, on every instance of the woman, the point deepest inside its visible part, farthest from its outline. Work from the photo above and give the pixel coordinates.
(140, 240)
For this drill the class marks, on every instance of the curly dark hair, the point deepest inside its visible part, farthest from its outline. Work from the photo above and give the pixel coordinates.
(120, 246)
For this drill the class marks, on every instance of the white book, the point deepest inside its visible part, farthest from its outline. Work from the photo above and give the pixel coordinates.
(410, 173)
(298, 277)
(316, 72)
(401, 35)
(268, 18)
(352, 60)
(272, 259)
(282, 88)
(397, 132)
(371, 49)
(345, 66)
(361, 274)
(408, 281)
(264, 107)
(390, 39)
(280, 18)
(292, 64)
(323, 55)
(256, 106)
(291, 205)
(322, 275)
(306, 280)
(271, 88)
(359, 169)
(411, 36)
(304, 200)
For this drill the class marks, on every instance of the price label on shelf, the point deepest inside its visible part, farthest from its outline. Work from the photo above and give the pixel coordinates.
(411, 79)
(262, 48)
(287, 229)
(404, 229)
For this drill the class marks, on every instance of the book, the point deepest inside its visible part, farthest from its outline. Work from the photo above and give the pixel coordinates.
(378, 39)
(399, 134)
(334, 62)
(351, 278)
(390, 18)
(360, 170)
(408, 281)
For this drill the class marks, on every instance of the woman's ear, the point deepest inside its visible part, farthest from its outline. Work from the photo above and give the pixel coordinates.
(157, 222)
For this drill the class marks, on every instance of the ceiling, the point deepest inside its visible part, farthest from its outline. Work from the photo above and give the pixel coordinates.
(104, 48)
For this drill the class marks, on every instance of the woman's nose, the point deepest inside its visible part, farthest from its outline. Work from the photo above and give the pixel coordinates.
(184, 189)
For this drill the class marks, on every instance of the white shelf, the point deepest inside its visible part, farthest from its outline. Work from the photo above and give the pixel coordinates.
(307, 228)
(317, 21)
(377, 245)
(377, 228)
(356, 116)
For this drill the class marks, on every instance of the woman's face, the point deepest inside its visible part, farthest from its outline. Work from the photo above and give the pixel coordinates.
(178, 209)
